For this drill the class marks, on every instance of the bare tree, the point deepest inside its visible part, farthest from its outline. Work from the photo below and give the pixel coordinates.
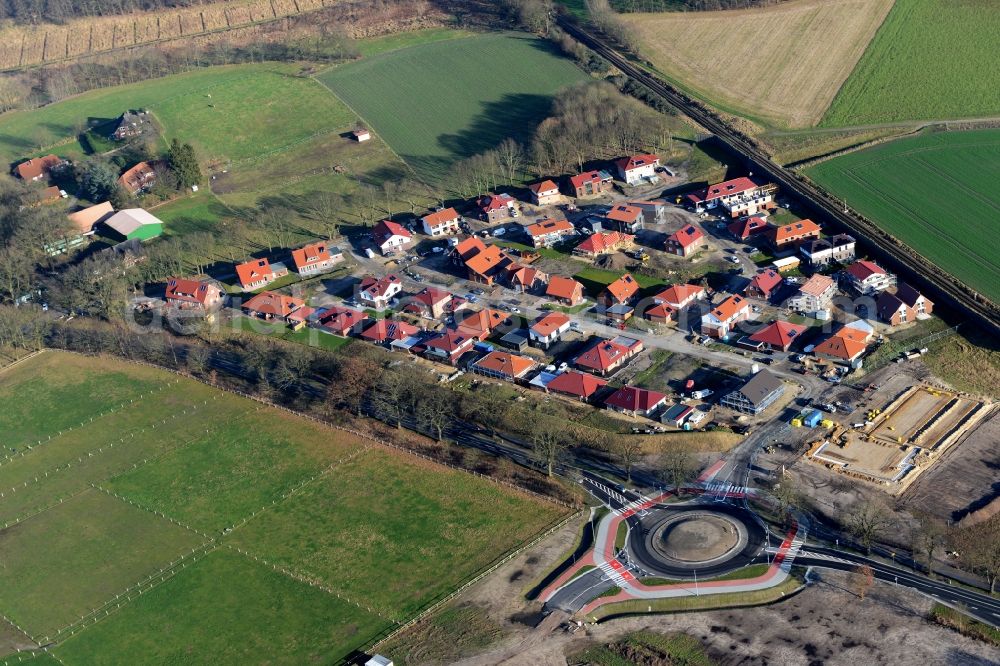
(389, 398)
(927, 537)
(628, 450)
(434, 411)
(549, 447)
(677, 467)
(864, 578)
(868, 520)
(323, 208)
(978, 546)
(510, 157)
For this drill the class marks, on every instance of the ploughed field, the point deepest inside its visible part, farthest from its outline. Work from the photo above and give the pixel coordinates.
(435, 104)
(935, 192)
(148, 518)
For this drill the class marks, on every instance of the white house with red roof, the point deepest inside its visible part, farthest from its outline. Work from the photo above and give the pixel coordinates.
(636, 401)
(590, 184)
(548, 232)
(258, 273)
(376, 292)
(442, 222)
(548, 329)
(193, 295)
(391, 238)
(720, 320)
(868, 278)
(565, 290)
(669, 302)
(545, 193)
(685, 241)
(739, 196)
(315, 258)
(497, 207)
(607, 356)
(635, 168)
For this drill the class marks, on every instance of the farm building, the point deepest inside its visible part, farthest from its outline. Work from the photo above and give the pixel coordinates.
(86, 219)
(756, 395)
(135, 223)
(361, 135)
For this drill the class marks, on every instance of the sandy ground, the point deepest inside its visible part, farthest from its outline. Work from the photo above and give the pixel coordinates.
(824, 624)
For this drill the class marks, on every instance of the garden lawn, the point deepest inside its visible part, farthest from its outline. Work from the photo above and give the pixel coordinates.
(234, 112)
(54, 392)
(394, 530)
(594, 280)
(437, 103)
(226, 609)
(237, 469)
(76, 556)
(930, 60)
(936, 193)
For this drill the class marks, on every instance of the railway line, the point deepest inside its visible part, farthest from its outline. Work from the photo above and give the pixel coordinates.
(944, 288)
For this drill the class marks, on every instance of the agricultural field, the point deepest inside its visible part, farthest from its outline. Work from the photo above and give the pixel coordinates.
(781, 65)
(187, 524)
(931, 60)
(934, 192)
(437, 103)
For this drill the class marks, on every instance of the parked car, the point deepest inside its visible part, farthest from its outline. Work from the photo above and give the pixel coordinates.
(733, 259)
(500, 232)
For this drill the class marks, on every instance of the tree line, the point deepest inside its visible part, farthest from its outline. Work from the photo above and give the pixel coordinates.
(687, 5)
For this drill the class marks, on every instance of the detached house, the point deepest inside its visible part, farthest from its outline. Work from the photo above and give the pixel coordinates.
(497, 207)
(905, 305)
(449, 346)
(376, 293)
(686, 241)
(504, 365)
(744, 228)
(526, 279)
(607, 356)
(545, 193)
(139, 178)
(814, 296)
(720, 321)
(272, 305)
(794, 234)
(566, 291)
(342, 321)
(485, 264)
(430, 302)
(579, 385)
(315, 258)
(822, 252)
(391, 239)
(549, 329)
(620, 292)
(764, 284)
(258, 273)
(548, 232)
(637, 167)
(199, 295)
(669, 302)
(636, 401)
(778, 335)
(739, 196)
(590, 184)
(603, 243)
(37, 168)
(756, 395)
(624, 218)
(868, 278)
(441, 223)
(384, 331)
(480, 324)
(846, 346)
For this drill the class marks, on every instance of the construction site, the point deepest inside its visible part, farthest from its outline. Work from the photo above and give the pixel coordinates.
(897, 442)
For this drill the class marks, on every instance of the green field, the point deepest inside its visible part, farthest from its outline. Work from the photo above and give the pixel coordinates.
(258, 503)
(930, 60)
(440, 102)
(936, 192)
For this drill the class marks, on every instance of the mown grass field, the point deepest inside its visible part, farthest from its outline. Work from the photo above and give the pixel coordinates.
(782, 64)
(440, 102)
(936, 193)
(931, 60)
(257, 501)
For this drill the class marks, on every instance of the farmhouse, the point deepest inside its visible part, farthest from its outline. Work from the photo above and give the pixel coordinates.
(272, 305)
(814, 296)
(603, 243)
(86, 219)
(620, 292)
(744, 227)
(135, 224)
(139, 178)
(545, 193)
(905, 305)
(686, 241)
(376, 293)
(756, 395)
(794, 234)
(607, 356)
(449, 345)
(391, 239)
(636, 401)
(719, 322)
(579, 385)
(822, 251)
(868, 278)
(624, 219)
(342, 321)
(258, 273)
(740, 196)
(37, 168)
(566, 291)
(764, 284)
(197, 295)
(441, 223)
(635, 168)
(845, 346)
(548, 329)
(430, 303)
(778, 335)
(526, 279)
(504, 365)
(130, 125)
(590, 184)
(497, 207)
(315, 258)
(547, 232)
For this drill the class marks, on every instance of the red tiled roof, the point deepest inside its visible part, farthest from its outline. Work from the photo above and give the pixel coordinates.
(254, 271)
(635, 161)
(469, 247)
(580, 384)
(624, 213)
(635, 399)
(686, 236)
(386, 229)
(677, 294)
(495, 201)
(506, 363)
(379, 287)
(36, 167)
(341, 319)
(727, 188)
(313, 253)
(661, 311)
(389, 329)
(527, 276)
(548, 226)
(729, 307)
(482, 322)
(816, 285)
(563, 287)
(846, 344)
(745, 228)
(441, 216)
(190, 291)
(603, 355)
(779, 334)
(549, 323)
(273, 303)
(601, 242)
(544, 186)
(795, 229)
(582, 179)
(450, 341)
(429, 296)
(862, 270)
(623, 288)
(135, 178)
(766, 281)
(487, 261)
